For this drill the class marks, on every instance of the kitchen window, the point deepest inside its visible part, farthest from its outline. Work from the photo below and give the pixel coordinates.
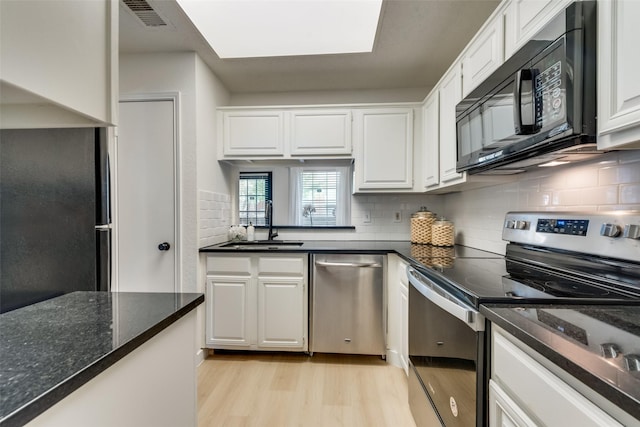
(254, 188)
(320, 196)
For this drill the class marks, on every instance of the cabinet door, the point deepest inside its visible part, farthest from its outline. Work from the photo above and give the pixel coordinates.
(618, 83)
(484, 55)
(384, 157)
(545, 396)
(524, 18)
(316, 132)
(503, 411)
(253, 133)
(404, 313)
(431, 140)
(227, 299)
(282, 312)
(450, 93)
(59, 63)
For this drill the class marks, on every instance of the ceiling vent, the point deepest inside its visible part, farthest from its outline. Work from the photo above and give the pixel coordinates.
(145, 13)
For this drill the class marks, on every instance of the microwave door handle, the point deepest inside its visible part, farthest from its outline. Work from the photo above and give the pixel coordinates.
(520, 128)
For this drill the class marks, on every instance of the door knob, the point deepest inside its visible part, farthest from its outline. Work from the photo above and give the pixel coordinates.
(164, 246)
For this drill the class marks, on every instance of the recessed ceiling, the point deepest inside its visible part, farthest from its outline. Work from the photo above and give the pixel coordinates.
(416, 41)
(259, 28)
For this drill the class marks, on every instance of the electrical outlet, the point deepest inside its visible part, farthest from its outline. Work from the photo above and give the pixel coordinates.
(366, 217)
(397, 216)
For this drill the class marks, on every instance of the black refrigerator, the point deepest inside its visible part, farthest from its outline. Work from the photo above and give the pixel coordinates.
(55, 232)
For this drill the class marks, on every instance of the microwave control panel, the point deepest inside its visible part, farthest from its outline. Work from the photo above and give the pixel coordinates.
(550, 95)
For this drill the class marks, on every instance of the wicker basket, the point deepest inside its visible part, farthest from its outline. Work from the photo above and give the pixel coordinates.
(421, 223)
(442, 233)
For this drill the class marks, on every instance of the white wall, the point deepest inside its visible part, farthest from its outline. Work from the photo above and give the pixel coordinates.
(173, 72)
(215, 181)
(609, 182)
(330, 97)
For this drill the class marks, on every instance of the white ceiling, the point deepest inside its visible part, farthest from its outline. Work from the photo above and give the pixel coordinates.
(416, 42)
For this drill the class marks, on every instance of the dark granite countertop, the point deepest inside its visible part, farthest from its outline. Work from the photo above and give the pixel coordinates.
(50, 349)
(570, 337)
(411, 252)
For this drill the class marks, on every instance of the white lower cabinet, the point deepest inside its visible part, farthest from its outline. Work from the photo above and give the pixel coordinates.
(404, 321)
(281, 312)
(227, 310)
(523, 392)
(257, 301)
(397, 312)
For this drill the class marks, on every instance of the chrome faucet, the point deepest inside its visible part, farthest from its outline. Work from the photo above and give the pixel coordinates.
(268, 214)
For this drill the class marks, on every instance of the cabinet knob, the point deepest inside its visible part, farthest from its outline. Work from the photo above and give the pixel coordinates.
(164, 246)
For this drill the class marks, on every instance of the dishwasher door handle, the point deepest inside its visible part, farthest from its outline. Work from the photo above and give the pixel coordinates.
(348, 264)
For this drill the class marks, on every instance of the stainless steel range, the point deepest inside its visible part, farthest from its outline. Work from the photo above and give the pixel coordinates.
(564, 258)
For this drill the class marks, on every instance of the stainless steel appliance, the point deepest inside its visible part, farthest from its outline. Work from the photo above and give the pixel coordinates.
(54, 215)
(552, 257)
(347, 304)
(539, 106)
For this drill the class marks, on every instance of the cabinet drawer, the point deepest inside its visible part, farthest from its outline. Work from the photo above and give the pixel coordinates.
(281, 266)
(221, 265)
(540, 392)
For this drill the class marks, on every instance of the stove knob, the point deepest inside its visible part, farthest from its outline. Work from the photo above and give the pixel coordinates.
(509, 224)
(631, 231)
(610, 230)
(632, 362)
(609, 350)
(521, 225)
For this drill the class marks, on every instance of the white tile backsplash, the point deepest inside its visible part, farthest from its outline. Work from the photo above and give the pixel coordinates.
(214, 210)
(609, 182)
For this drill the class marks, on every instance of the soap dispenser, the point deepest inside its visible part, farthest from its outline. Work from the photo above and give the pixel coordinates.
(251, 232)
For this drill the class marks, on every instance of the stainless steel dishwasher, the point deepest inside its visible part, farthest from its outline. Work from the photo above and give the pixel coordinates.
(347, 304)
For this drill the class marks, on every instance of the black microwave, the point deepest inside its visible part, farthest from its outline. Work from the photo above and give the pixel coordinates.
(537, 107)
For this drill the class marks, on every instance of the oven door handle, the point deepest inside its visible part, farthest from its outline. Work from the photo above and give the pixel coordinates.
(451, 305)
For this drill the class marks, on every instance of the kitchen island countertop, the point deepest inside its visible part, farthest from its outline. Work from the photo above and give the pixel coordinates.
(50, 349)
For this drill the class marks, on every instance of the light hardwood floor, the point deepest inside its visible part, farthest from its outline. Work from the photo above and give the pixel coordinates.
(282, 389)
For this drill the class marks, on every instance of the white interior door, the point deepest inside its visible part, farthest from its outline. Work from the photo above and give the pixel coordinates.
(147, 244)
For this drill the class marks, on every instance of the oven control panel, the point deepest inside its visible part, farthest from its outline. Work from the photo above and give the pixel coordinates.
(612, 234)
(575, 227)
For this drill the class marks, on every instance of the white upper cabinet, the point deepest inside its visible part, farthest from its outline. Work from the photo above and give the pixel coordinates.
(484, 54)
(450, 93)
(383, 149)
(618, 83)
(524, 18)
(252, 132)
(58, 63)
(318, 132)
(431, 140)
(284, 133)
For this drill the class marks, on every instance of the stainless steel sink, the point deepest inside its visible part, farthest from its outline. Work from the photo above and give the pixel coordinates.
(263, 244)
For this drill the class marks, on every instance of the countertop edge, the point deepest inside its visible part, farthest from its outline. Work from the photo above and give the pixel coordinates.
(36, 407)
(599, 386)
